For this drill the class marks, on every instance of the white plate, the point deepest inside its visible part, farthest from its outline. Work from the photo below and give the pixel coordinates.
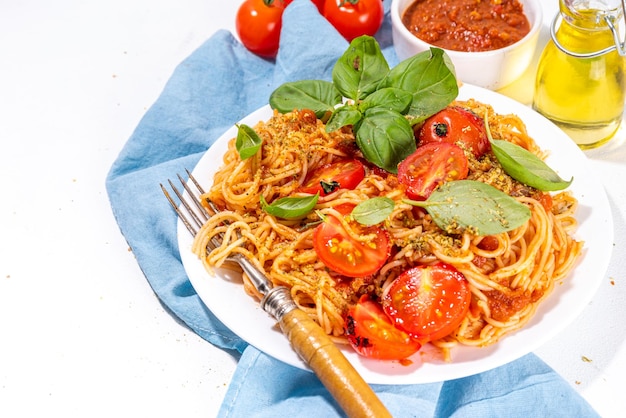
(225, 297)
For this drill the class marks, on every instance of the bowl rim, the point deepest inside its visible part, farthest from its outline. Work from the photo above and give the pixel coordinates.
(536, 7)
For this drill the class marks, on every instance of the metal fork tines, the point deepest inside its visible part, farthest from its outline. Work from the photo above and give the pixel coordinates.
(196, 211)
(310, 341)
(193, 214)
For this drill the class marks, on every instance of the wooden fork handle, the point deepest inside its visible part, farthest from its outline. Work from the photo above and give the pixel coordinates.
(343, 382)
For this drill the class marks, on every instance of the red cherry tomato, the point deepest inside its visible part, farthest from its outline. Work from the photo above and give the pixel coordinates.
(343, 174)
(353, 18)
(345, 255)
(258, 26)
(546, 201)
(372, 334)
(456, 126)
(428, 302)
(489, 243)
(430, 166)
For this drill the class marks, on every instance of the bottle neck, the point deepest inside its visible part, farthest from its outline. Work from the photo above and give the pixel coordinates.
(590, 15)
(581, 22)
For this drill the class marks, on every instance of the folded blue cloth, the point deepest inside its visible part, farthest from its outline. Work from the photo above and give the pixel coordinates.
(211, 90)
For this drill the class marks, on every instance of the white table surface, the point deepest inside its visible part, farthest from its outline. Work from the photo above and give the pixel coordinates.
(81, 332)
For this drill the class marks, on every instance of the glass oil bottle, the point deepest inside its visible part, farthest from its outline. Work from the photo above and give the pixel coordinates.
(580, 83)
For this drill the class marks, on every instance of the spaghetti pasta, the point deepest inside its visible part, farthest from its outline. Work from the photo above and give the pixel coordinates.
(509, 273)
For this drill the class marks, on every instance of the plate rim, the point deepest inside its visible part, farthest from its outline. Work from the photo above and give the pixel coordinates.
(379, 372)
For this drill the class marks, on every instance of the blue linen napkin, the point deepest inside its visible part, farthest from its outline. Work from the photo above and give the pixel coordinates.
(216, 86)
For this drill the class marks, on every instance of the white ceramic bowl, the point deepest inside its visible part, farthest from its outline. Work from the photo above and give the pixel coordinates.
(490, 69)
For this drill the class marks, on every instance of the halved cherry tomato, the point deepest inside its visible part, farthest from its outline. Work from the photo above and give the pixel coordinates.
(456, 126)
(430, 166)
(343, 174)
(428, 302)
(489, 243)
(546, 201)
(353, 18)
(346, 255)
(372, 334)
(258, 24)
(344, 208)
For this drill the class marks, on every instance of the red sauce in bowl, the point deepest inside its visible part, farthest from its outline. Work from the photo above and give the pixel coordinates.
(467, 25)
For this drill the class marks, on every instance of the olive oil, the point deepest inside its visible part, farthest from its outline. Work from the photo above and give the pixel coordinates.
(583, 96)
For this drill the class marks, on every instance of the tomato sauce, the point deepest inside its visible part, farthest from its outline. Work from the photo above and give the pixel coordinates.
(467, 25)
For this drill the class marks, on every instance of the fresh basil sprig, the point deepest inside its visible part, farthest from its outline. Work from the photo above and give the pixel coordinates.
(358, 72)
(430, 78)
(248, 141)
(378, 98)
(475, 206)
(526, 167)
(343, 116)
(316, 95)
(373, 211)
(389, 98)
(385, 138)
(290, 207)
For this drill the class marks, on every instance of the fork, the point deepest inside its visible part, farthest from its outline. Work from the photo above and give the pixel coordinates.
(309, 341)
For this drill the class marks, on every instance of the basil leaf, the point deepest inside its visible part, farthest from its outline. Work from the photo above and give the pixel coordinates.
(290, 207)
(473, 205)
(388, 98)
(526, 167)
(317, 95)
(343, 116)
(385, 138)
(248, 141)
(430, 77)
(359, 70)
(373, 211)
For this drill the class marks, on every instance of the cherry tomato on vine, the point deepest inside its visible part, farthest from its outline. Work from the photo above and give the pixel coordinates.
(353, 18)
(342, 174)
(372, 334)
(428, 302)
(456, 125)
(431, 165)
(258, 24)
(342, 253)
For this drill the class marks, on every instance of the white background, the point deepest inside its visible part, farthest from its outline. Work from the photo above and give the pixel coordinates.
(81, 332)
